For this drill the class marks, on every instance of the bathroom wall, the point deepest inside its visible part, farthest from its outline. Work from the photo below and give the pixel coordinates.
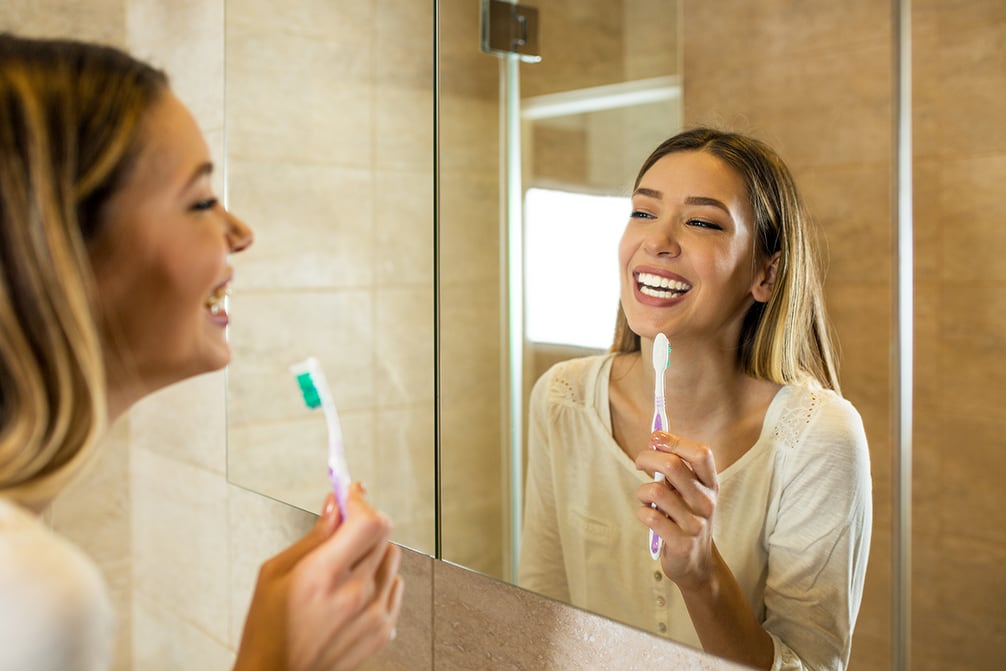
(329, 115)
(959, 502)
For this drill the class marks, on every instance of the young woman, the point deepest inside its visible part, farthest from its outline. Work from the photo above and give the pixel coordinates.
(113, 269)
(765, 510)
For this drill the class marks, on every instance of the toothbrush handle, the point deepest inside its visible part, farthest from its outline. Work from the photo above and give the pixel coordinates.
(655, 543)
(340, 487)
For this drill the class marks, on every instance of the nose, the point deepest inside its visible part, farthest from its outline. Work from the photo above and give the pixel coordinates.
(239, 234)
(661, 240)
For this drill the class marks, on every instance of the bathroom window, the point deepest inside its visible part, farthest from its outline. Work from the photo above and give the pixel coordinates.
(571, 266)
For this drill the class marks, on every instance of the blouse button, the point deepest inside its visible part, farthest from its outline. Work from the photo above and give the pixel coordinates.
(661, 601)
(658, 576)
(662, 628)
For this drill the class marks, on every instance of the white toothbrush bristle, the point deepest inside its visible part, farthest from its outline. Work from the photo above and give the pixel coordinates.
(661, 352)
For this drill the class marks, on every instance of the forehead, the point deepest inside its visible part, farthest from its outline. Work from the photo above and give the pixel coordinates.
(171, 145)
(696, 173)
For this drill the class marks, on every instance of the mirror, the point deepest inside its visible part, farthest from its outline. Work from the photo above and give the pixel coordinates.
(813, 80)
(327, 108)
(329, 140)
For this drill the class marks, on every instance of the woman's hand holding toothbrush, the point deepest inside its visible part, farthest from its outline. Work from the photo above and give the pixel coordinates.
(331, 599)
(684, 505)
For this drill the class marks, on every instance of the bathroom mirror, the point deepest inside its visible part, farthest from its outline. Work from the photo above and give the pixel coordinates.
(329, 124)
(426, 338)
(523, 144)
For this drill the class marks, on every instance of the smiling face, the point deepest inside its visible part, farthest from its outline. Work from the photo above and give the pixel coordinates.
(687, 254)
(160, 260)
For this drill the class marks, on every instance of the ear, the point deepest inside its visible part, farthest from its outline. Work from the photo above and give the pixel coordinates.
(765, 279)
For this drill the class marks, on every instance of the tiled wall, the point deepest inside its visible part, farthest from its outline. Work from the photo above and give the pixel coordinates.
(959, 502)
(329, 116)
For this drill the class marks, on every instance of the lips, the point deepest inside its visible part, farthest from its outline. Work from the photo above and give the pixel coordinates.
(660, 286)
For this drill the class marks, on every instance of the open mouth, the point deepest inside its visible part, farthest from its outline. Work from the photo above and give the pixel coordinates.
(661, 287)
(216, 303)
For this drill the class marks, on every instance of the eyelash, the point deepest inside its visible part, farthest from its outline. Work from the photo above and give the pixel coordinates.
(698, 223)
(207, 204)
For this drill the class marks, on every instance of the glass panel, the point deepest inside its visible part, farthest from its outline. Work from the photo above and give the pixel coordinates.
(329, 137)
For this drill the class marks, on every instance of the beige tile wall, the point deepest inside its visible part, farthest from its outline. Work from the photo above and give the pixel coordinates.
(959, 541)
(329, 146)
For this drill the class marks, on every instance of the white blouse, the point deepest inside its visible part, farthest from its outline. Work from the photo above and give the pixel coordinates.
(793, 519)
(55, 613)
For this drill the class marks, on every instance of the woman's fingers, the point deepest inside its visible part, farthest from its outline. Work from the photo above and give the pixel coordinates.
(672, 505)
(360, 541)
(697, 456)
(372, 625)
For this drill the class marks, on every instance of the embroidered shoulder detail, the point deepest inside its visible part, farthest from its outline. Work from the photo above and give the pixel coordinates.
(570, 380)
(801, 407)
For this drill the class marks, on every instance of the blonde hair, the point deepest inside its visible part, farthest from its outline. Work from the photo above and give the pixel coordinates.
(69, 119)
(788, 338)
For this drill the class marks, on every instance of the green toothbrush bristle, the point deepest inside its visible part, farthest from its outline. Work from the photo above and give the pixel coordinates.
(308, 390)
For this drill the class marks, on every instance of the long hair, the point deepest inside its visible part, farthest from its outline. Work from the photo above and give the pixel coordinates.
(788, 338)
(69, 119)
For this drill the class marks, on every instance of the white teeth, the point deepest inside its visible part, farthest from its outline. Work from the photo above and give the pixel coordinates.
(654, 283)
(656, 293)
(217, 301)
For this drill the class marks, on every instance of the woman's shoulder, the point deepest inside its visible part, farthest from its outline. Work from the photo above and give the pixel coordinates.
(55, 611)
(571, 382)
(805, 414)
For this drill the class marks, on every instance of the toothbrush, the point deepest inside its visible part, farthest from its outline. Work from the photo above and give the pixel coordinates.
(661, 355)
(314, 389)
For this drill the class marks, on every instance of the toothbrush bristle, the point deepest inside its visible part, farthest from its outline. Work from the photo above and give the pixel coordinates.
(307, 389)
(661, 352)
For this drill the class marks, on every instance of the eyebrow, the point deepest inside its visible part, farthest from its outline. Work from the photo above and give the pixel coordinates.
(690, 200)
(201, 170)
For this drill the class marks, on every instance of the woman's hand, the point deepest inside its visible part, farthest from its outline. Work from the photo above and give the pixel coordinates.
(330, 600)
(685, 503)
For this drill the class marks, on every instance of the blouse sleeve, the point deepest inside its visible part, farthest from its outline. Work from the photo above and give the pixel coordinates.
(541, 566)
(819, 545)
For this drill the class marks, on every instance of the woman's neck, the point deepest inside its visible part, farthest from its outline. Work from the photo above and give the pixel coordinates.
(708, 397)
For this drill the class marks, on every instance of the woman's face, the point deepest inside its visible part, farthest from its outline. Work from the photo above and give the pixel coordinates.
(160, 259)
(687, 253)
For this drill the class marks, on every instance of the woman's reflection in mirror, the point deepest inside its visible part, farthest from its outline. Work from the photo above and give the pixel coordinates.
(765, 507)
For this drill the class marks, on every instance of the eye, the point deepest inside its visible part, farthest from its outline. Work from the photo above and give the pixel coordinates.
(701, 223)
(206, 204)
(639, 214)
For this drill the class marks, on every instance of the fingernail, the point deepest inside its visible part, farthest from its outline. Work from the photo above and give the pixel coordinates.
(329, 506)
